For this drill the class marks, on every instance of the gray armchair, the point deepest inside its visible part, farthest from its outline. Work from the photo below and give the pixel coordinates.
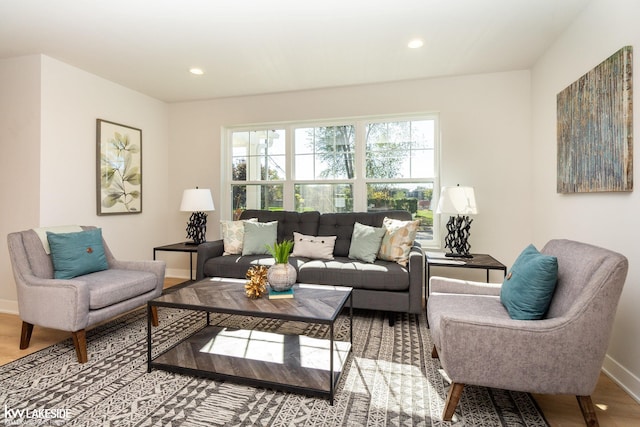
(75, 304)
(478, 343)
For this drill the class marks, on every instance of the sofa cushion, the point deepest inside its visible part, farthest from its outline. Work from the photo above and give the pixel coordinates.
(314, 247)
(78, 253)
(236, 266)
(342, 271)
(365, 242)
(258, 236)
(112, 286)
(398, 240)
(528, 288)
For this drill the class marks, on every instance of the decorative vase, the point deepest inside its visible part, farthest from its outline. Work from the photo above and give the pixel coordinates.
(281, 277)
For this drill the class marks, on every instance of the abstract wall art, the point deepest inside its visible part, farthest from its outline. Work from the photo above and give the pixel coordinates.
(595, 129)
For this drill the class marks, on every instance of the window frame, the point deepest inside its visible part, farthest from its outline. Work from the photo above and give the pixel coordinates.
(359, 182)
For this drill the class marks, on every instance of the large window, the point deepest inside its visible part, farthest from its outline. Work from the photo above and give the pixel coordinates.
(355, 165)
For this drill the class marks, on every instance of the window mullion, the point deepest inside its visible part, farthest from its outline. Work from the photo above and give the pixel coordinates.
(360, 183)
(288, 190)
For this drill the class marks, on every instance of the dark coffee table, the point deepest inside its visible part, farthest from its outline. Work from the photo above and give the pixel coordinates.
(286, 362)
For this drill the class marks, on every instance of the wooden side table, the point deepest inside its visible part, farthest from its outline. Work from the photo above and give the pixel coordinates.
(180, 247)
(481, 261)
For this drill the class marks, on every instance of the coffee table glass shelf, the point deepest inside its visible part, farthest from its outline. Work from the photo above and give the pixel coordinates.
(293, 363)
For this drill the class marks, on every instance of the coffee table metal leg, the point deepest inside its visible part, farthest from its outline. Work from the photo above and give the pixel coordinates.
(148, 337)
(331, 382)
(351, 320)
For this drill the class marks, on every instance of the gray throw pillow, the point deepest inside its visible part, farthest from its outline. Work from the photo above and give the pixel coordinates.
(365, 242)
(257, 236)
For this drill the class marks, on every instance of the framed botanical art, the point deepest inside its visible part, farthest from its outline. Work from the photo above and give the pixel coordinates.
(119, 168)
(595, 128)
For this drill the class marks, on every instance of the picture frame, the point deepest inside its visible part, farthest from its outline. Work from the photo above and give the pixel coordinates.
(595, 129)
(118, 169)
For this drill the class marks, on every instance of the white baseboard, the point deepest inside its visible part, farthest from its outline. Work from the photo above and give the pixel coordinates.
(179, 273)
(9, 306)
(622, 376)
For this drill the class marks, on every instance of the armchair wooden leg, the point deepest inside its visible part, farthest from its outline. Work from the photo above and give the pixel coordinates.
(455, 391)
(154, 315)
(80, 343)
(434, 353)
(25, 336)
(588, 411)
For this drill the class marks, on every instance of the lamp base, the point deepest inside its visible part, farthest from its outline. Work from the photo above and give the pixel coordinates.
(458, 229)
(197, 228)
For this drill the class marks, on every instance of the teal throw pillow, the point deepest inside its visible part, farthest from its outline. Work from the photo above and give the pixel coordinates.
(75, 254)
(528, 288)
(365, 242)
(257, 236)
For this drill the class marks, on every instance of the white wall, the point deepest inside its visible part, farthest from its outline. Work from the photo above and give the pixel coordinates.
(485, 119)
(61, 170)
(606, 219)
(20, 158)
(72, 100)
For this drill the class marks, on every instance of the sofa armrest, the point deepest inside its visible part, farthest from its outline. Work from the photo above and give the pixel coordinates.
(56, 303)
(207, 250)
(416, 278)
(446, 285)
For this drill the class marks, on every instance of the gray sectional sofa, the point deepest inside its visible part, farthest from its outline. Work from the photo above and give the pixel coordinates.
(382, 285)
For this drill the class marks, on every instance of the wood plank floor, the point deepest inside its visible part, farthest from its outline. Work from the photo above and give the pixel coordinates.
(614, 407)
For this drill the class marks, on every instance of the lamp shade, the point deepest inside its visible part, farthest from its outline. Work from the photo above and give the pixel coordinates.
(457, 200)
(197, 200)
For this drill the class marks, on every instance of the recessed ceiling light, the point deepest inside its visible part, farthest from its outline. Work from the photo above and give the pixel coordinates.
(196, 71)
(415, 44)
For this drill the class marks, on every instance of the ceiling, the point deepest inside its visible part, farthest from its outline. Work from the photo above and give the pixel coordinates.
(248, 47)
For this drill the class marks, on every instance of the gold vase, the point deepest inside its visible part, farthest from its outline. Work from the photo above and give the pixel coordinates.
(281, 277)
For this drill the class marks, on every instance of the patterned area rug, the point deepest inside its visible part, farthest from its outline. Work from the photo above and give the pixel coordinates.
(389, 380)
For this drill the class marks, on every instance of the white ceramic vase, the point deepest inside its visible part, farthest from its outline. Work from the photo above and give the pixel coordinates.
(281, 277)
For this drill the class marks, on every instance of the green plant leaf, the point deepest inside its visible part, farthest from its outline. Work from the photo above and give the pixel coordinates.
(281, 251)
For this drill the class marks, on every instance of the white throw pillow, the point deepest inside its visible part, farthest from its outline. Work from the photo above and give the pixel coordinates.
(314, 247)
(233, 235)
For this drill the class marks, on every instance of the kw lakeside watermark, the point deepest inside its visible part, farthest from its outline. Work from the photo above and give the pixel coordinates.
(34, 416)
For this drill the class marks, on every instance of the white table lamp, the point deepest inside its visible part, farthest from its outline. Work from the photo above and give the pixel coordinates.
(198, 201)
(459, 202)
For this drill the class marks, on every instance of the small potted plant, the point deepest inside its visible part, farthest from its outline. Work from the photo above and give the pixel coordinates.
(281, 276)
